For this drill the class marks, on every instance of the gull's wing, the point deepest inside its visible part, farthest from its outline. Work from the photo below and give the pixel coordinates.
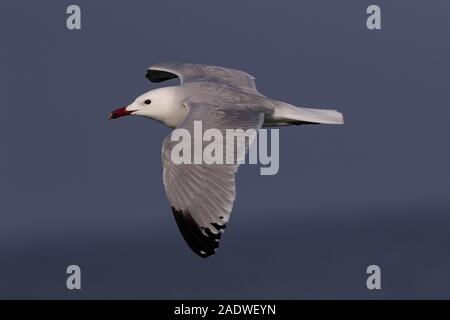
(188, 72)
(202, 195)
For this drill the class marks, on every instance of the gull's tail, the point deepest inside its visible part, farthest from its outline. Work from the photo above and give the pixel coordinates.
(286, 114)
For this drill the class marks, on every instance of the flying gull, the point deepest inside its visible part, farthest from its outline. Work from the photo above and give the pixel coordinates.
(202, 195)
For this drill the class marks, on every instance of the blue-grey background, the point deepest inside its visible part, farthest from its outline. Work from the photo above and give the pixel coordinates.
(76, 188)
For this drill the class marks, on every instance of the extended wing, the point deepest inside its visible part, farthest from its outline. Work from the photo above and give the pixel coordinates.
(188, 72)
(202, 195)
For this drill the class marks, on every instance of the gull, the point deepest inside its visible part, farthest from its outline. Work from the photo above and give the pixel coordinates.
(202, 195)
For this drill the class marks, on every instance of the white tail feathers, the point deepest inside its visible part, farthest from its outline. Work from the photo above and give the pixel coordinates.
(288, 114)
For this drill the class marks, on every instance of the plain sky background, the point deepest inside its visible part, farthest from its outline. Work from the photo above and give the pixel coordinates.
(76, 188)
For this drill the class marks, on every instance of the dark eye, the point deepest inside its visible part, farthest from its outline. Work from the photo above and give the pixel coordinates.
(148, 101)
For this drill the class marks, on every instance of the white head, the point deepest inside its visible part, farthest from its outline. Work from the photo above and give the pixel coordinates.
(162, 104)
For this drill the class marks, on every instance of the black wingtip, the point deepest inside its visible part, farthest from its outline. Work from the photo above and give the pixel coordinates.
(203, 243)
(159, 75)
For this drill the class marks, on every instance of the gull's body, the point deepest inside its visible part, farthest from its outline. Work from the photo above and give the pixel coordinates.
(201, 195)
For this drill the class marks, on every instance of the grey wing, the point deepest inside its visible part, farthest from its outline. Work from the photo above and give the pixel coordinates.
(202, 195)
(188, 72)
